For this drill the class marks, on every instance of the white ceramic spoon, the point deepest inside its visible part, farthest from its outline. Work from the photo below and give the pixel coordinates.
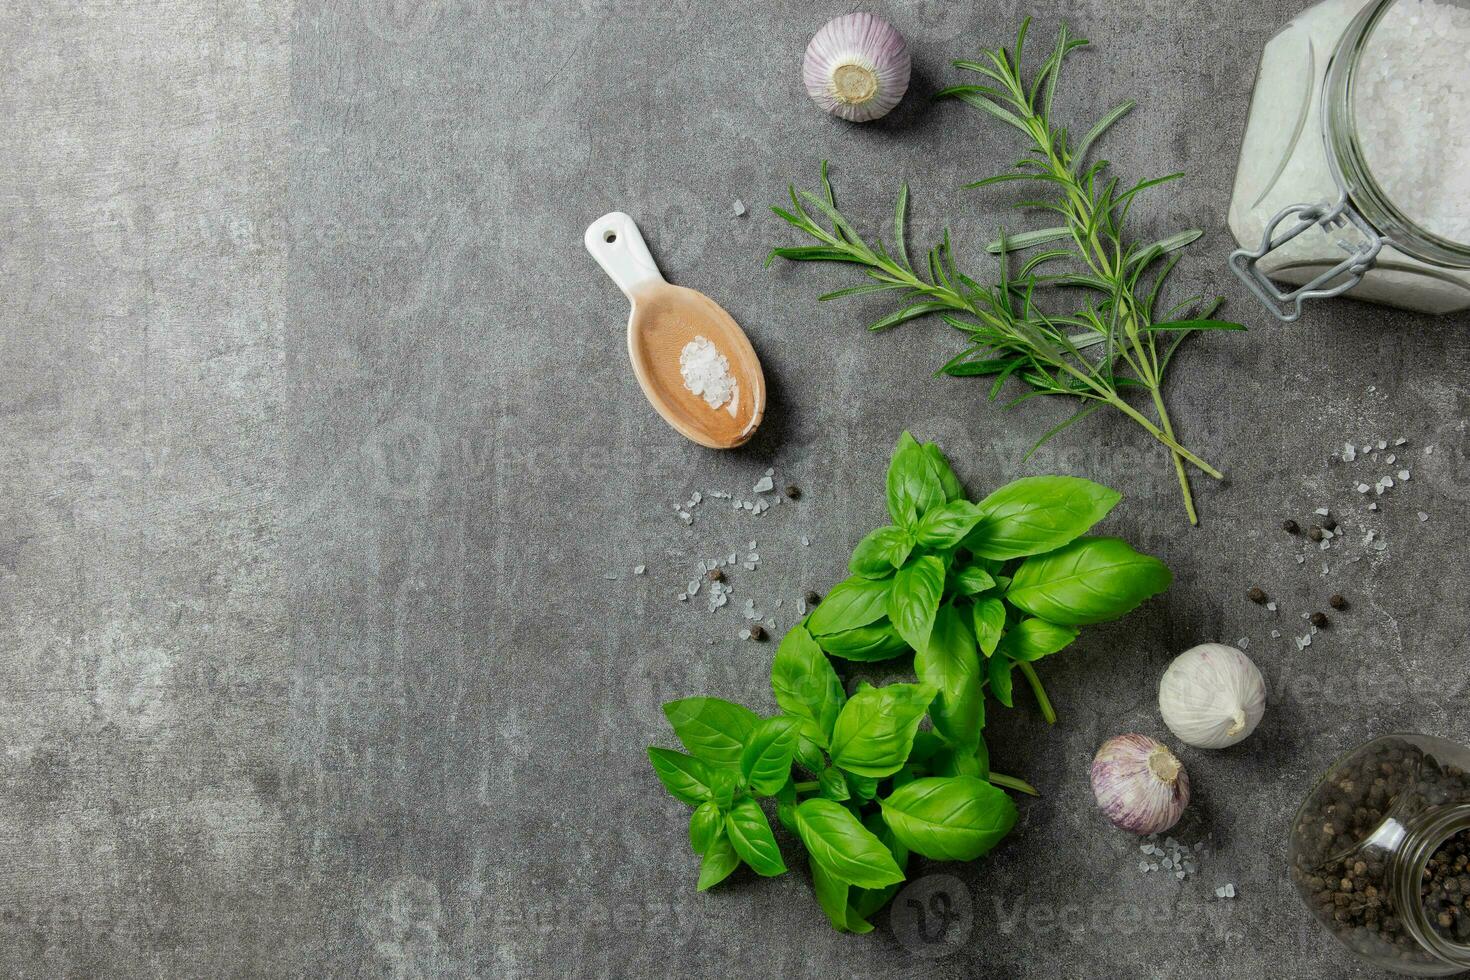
(663, 320)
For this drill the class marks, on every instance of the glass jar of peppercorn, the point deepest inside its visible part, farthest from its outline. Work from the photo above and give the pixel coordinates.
(1380, 852)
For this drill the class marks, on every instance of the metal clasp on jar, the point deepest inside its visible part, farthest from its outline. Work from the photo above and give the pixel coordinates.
(1361, 255)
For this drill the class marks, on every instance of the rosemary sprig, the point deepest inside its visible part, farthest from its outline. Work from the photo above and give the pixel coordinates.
(1095, 354)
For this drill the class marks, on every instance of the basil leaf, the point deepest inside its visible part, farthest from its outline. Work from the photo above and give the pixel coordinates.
(958, 762)
(832, 894)
(878, 554)
(999, 667)
(844, 848)
(712, 729)
(947, 525)
(951, 665)
(751, 836)
(862, 787)
(723, 784)
(947, 480)
(972, 580)
(719, 861)
(1091, 580)
(704, 823)
(1032, 639)
(875, 730)
(926, 745)
(914, 484)
(808, 751)
(990, 622)
(786, 806)
(766, 761)
(876, 641)
(914, 600)
(804, 682)
(832, 786)
(852, 603)
(1038, 514)
(957, 818)
(684, 776)
(867, 901)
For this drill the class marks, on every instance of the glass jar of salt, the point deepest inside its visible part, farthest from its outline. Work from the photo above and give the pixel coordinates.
(1355, 169)
(1380, 852)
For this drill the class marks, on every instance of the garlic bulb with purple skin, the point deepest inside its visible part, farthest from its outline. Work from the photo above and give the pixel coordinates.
(1139, 784)
(857, 67)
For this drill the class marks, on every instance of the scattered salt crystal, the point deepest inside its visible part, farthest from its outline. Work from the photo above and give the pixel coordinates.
(1390, 459)
(1301, 559)
(1429, 450)
(1382, 444)
(1321, 511)
(770, 471)
(1271, 606)
(777, 604)
(1324, 545)
(1243, 642)
(1275, 634)
(739, 207)
(745, 634)
(801, 607)
(1229, 891)
(763, 485)
(1373, 506)
(693, 587)
(639, 569)
(682, 597)
(1363, 488)
(1349, 452)
(1401, 441)
(1380, 546)
(805, 541)
(1404, 476)
(1423, 517)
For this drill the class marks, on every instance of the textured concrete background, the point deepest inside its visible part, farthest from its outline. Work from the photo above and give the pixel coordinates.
(318, 441)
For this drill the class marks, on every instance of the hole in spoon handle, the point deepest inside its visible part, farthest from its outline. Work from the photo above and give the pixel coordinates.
(618, 246)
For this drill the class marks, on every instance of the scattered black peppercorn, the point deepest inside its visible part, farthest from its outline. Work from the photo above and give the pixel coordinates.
(1291, 527)
(715, 575)
(1319, 620)
(758, 633)
(1337, 602)
(812, 598)
(794, 492)
(1256, 594)
(1316, 534)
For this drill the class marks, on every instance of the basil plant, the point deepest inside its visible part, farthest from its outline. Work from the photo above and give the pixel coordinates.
(975, 593)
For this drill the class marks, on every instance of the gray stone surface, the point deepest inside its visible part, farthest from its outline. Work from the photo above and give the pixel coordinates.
(317, 439)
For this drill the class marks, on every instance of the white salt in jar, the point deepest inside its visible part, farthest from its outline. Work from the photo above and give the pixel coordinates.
(1355, 170)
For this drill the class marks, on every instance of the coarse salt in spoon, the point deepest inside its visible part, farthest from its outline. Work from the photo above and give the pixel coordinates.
(691, 358)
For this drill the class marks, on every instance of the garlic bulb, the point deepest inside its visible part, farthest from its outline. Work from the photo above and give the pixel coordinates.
(1212, 696)
(857, 67)
(1139, 784)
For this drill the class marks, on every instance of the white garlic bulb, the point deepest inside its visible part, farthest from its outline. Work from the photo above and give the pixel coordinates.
(1139, 784)
(1212, 696)
(857, 67)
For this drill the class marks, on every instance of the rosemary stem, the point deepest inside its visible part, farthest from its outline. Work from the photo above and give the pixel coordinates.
(1168, 427)
(1163, 437)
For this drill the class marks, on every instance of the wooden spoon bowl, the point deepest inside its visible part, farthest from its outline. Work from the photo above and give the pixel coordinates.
(666, 318)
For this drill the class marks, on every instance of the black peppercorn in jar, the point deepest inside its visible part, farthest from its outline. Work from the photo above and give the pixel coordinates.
(1380, 852)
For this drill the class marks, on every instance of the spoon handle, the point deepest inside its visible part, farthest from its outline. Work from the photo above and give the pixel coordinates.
(617, 245)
